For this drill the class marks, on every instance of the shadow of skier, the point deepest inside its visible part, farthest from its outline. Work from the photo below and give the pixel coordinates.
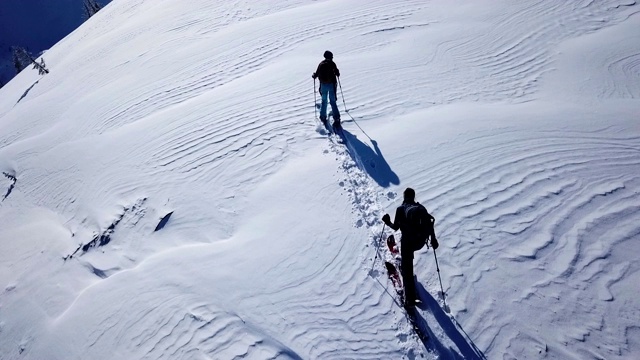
(370, 160)
(468, 350)
(433, 343)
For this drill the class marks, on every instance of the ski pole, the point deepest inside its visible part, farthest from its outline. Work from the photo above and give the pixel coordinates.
(378, 246)
(439, 278)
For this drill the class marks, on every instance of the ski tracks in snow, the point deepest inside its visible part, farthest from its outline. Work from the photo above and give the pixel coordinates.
(364, 194)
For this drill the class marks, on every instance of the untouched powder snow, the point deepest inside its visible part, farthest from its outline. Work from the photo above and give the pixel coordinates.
(167, 193)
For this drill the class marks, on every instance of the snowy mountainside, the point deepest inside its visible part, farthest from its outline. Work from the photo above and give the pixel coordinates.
(516, 123)
(35, 25)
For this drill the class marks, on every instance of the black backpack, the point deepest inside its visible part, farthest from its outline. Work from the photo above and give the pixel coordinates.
(419, 225)
(327, 71)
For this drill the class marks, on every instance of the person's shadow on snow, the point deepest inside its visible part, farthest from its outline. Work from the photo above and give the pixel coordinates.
(466, 348)
(370, 160)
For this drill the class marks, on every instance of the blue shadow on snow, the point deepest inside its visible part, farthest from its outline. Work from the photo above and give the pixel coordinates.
(466, 348)
(370, 160)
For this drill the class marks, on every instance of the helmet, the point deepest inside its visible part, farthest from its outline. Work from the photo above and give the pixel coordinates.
(328, 55)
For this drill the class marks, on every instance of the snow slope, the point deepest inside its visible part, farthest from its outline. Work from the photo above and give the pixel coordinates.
(517, 124)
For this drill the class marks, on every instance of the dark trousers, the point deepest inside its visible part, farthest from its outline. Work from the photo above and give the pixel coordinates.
(407, 276)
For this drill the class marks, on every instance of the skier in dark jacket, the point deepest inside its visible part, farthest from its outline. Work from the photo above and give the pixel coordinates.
(406, 250)
(326, 73)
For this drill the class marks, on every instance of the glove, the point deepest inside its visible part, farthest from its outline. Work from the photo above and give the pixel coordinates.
(314, 76)
(434, 243)
(386, 219)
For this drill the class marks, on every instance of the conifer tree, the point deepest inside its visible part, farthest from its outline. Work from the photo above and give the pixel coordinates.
(91, 7)
(18, 58)
(22, 59)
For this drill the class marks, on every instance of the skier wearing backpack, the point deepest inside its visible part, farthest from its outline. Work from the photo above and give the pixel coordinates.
(416, 225)
(327, 72)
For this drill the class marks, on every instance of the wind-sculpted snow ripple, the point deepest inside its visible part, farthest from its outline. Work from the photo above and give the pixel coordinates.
(627, 69)
(209, 332)
(551, 210)
(222, 61)
(168, 329)
(612, 72)
(505, 59)
(340, 297)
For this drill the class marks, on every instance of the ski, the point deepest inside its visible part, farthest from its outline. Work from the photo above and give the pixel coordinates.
(396, 279)
(331, 129)
(327, 127)
(391, 244)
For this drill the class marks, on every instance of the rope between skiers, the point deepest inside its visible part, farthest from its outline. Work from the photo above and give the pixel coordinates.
(348, 113)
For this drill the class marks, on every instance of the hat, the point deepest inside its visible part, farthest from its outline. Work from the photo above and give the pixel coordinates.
(328, 55)
(409, 194)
